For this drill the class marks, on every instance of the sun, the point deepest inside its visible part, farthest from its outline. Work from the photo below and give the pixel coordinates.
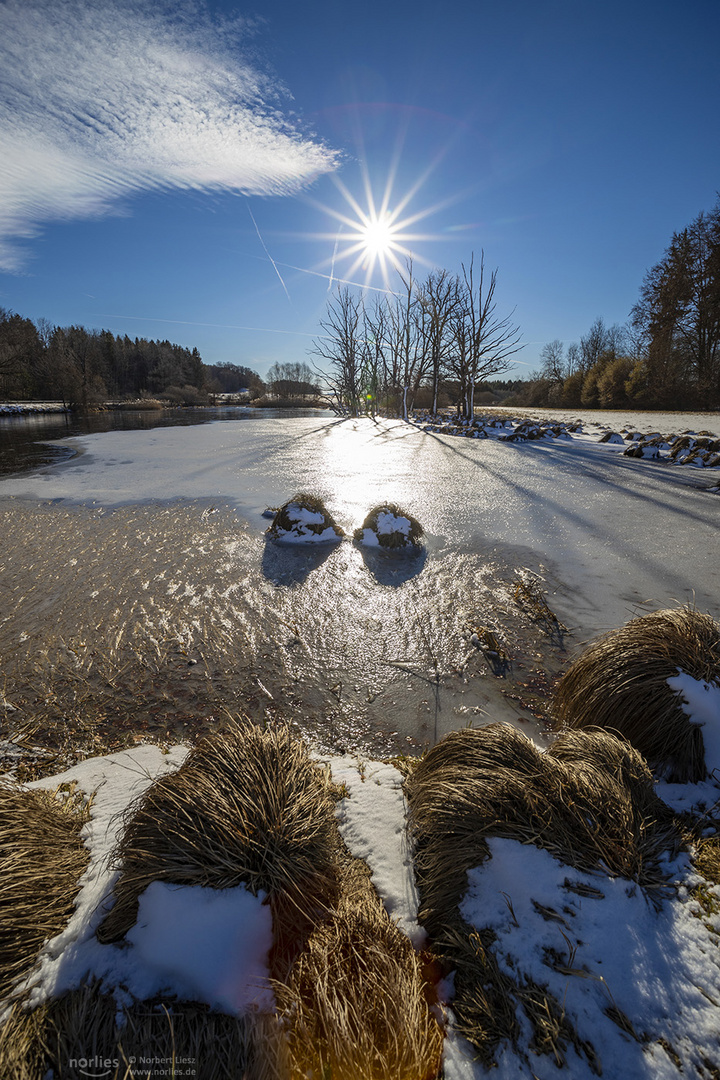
(375, 237)
(378, 236)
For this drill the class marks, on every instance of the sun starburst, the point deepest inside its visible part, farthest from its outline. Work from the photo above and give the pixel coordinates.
(375, 237)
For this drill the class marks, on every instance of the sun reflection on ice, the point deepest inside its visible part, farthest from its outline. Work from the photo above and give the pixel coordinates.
(356, 473)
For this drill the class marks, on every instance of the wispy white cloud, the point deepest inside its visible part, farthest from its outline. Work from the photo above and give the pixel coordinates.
(103, 98)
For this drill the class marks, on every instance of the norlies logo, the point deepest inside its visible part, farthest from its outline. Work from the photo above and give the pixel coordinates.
(95, 1066)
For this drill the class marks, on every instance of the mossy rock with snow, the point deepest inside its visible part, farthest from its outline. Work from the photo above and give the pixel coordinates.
(390, 527)
(305, 519)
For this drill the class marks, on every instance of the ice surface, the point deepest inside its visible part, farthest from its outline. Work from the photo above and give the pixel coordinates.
(620, 532)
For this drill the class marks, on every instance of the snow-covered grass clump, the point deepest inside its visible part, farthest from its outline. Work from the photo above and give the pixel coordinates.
(625, 681)
(304, 519)
(390, 527)
(209, 874)
(550, 882)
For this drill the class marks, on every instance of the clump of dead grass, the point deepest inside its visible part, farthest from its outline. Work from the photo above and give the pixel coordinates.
(589, 801)
(392, 527)
(86, 1025)
(248, 806)
(304, 517)
(42, 858)
(354, 1006)
(620, 683)
(529, 597)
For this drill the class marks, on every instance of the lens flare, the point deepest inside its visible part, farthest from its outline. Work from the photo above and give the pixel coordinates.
(376, 238)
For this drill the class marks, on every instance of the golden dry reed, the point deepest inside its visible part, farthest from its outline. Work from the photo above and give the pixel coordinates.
(354, 1006)
(42, 858)
(246, 806)
(620, 683)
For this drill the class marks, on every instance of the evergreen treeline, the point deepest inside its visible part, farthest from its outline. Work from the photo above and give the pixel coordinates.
(668, 355)
(83, 367)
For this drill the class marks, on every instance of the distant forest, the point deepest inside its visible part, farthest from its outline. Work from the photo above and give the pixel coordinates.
(433, 343)
(83, 367)
(666, 357)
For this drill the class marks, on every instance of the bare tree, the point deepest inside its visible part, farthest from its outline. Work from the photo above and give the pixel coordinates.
(553, 362)
(342, 346)
(486, 340)
(407, 340)
(375, 365)
(439, 298)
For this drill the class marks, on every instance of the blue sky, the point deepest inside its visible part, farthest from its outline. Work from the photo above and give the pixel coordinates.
(176, 170)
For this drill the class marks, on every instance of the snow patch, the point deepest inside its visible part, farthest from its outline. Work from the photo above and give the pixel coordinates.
(372, 824)
(701, 703)
(652, 964)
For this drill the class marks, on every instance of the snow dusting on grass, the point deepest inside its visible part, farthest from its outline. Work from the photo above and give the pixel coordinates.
(701, 703)
(639, 980)
(609, 952)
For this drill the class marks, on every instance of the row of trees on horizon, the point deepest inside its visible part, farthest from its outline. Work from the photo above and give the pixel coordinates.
(83, 367)
(441, 341)
(430, 342)
(667, 356)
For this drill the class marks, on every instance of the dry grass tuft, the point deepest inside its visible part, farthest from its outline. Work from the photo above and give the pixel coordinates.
(529, 597)
(399, 536)
(86, 1025)
(290, 518)
(247, 806)
(42, 858)
(620, 683)
(589, 801)
(354, 1006)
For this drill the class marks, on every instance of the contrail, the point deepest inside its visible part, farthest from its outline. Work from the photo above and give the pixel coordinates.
(332, 264)
(220, 326)
(268, 253)
(340, 281)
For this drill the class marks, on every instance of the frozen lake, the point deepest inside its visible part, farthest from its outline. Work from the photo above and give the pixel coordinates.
(378, 648)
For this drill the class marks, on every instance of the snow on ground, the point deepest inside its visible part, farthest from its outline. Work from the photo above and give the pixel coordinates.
(657, 966)
(372, 824)
(655, 963)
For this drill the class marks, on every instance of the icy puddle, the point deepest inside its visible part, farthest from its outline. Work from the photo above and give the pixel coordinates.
(164, 618)
(139, 593)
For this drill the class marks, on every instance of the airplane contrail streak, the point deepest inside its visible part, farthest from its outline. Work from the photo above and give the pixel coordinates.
(267, 252)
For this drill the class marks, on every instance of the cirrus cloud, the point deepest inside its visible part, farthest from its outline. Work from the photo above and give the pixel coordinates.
(102, 99)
